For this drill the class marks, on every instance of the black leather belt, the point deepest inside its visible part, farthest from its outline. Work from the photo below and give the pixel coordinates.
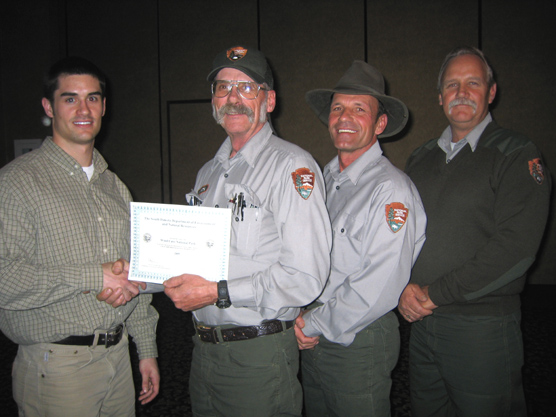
(107, 339)
(210, 334)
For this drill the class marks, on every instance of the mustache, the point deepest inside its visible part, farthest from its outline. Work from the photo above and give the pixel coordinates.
(229, 108)
(462, 101)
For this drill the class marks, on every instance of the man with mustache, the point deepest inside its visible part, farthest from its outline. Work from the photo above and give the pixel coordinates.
(245, 358)
(349, 338)
(486, 194)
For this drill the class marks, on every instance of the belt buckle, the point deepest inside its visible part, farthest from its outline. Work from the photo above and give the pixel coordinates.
(212, 331)
(109, 336)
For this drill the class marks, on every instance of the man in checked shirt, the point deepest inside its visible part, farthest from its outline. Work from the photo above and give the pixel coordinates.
(64, 221)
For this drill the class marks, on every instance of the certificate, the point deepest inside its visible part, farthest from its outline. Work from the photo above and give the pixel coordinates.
(169, 240)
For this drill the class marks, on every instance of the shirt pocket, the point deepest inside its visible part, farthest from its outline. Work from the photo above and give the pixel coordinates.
(246, 219)
(347, 232)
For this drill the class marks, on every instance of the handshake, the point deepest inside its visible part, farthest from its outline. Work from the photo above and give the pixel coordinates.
(117, 290)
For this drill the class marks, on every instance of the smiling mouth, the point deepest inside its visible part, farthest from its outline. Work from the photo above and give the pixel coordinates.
(82, 123)
(346, 131)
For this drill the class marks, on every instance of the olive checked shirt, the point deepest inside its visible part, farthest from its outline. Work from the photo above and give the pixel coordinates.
(56, 229)
(280, 241)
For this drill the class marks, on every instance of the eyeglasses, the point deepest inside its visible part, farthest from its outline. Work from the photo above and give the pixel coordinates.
(246, 89)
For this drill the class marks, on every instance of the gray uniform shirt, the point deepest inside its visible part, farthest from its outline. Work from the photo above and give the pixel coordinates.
(378, 224)
(280, 241)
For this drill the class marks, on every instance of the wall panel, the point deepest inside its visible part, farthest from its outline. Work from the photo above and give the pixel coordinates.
(407, 41)
(519, 42)
(310, 44)
(121, 38)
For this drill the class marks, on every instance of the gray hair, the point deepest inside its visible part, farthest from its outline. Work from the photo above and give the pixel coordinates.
(465, 50)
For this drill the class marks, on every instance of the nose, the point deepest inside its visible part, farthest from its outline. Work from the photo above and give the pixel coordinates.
(344, 115)
(462, 90)
(83, 107)
(234, 96)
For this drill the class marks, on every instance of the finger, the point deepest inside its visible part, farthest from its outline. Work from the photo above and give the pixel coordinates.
(117, 267)
(104, 294)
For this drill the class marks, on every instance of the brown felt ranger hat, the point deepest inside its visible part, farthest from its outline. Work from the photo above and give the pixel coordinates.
(361, 79)
(250, 61)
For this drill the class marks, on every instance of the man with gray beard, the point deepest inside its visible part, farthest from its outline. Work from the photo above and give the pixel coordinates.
(486, 195)
(245, 359)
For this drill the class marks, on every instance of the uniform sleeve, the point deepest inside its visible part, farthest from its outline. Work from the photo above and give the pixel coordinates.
(303, 264)
(26, 285)
(520, 213)
(385, 263)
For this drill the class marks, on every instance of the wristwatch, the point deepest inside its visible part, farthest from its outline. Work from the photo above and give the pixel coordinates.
(223, 296)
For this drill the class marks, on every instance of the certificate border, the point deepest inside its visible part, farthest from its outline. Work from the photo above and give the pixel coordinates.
(137, 209)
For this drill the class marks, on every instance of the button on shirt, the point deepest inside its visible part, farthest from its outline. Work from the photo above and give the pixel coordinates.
(280, 242)
(56, 229)
(372, 252)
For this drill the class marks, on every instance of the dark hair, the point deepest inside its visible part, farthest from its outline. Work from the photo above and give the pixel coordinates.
(71, 66)
(465, 50)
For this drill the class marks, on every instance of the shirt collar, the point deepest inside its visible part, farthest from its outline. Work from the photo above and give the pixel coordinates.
(472, 138)
(358, 167)
(62, 158)
(250, 151)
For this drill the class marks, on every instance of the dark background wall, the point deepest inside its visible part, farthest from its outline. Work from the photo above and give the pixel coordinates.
(159, 130)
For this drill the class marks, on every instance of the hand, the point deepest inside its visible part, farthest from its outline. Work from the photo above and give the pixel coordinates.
(117, 290)
(191, 292)
(303, 342)
(414, 303)
(150, 380)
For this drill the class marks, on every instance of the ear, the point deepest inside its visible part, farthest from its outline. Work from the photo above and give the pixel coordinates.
(440, 99)
(270, 101)
(381, 124)
(103, 106)
(492, 93)
(47, 107)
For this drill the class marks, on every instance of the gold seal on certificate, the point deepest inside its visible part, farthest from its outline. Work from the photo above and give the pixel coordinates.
(169, 240)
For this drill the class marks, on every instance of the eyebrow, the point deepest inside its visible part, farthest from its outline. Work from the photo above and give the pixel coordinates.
(70, 94)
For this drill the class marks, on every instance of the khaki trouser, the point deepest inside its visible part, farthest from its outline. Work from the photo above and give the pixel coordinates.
(52, 380)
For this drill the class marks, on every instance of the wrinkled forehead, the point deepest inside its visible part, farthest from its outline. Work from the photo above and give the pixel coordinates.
(232, 74)
(340, 98)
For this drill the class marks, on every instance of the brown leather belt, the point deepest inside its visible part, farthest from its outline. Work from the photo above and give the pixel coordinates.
(210, 334)
(107, 339)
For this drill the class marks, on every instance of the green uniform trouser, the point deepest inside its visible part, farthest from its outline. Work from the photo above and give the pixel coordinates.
(248, 378)
(466, 366)
(352, 381)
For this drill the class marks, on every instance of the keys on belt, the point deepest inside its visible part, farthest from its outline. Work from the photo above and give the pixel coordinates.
(211, 334)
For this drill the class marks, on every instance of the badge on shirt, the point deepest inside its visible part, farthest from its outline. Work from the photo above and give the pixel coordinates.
(304, 181)
(396, 216)
(203, 189)
(536, 170)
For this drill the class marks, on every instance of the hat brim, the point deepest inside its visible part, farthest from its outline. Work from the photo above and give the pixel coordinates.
(256, 77)
(319, 100)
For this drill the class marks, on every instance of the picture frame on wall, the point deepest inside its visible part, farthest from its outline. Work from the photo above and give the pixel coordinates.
(22, 146)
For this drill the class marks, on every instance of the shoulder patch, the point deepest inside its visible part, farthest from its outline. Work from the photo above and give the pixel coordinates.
(536, 170)
(203, 189)
(304, 182)
(396, 216)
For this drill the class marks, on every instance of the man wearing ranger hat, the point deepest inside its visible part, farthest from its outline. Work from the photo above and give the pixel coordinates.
(245, 359)
(350, 340)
